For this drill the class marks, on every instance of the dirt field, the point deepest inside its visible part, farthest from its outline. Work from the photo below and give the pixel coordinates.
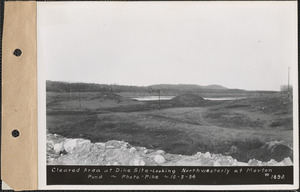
(184, 125)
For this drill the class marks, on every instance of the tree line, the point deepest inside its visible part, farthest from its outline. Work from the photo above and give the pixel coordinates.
(55, 86)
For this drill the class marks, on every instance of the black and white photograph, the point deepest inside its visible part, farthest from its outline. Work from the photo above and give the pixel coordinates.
(190, 84)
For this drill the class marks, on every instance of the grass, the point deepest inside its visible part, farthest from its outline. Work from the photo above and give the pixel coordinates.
(235, 128)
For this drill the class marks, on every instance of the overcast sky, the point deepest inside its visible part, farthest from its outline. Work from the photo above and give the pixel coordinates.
(247, 45)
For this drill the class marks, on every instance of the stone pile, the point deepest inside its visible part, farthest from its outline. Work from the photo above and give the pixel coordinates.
(64, 151)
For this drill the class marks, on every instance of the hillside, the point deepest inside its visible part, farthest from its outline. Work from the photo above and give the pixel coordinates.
(189, 123)
(214, 87)
(186, 87)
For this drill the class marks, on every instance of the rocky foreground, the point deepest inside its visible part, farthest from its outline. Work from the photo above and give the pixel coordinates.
(64, 151)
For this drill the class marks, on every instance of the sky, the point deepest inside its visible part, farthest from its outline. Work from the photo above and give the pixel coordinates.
(245, 45)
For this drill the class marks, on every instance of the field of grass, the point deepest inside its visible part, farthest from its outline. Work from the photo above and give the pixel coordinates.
(235, 128)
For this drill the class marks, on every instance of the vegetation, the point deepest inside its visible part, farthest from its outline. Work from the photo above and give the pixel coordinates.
(164, 89)
(186, 124)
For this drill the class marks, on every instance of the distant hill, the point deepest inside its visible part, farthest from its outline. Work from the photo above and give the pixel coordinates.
(184, 87)
(181, 87)
(164, 89)
(168, 89)
(214, 87)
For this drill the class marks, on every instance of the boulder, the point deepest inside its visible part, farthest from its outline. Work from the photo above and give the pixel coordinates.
(217, 163)
(100, 145)
(50, 146)
(272, 162)
(159, 159)
(116, 144)
(137, 162)
(287, 162)
(254, 162)
(58, 148)
(132, 150)
(71, 145)
(207, 155)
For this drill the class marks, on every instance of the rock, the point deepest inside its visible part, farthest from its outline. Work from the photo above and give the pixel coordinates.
(58, 148)
(234, 162)
(50, 142)
(137, 162)
(142, 162)
(50, 146)
(61, 150)
(140, 148)
(241, 164)
(287, 161)
(161, 152)
(207, 155)
(217, 163)
(110, 147)
(159, 159)
(84, 146)
(116, 144)
(132, 150)
(254, 162)
(101, 145)
(272, 162)
(71, 145)
(125, 145)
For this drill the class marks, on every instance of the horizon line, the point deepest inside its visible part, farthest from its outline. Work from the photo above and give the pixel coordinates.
(161, 84)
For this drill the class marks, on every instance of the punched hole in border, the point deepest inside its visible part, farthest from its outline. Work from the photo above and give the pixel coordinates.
(15, 133)
(17, 52)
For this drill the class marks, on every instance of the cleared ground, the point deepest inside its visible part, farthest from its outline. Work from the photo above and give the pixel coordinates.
(185, 125)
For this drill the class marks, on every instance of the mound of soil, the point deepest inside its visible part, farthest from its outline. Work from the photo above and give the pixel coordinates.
(107, 95)
(188, 100)
(276, 150)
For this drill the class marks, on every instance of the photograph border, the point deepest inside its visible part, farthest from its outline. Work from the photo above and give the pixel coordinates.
(42, 150)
